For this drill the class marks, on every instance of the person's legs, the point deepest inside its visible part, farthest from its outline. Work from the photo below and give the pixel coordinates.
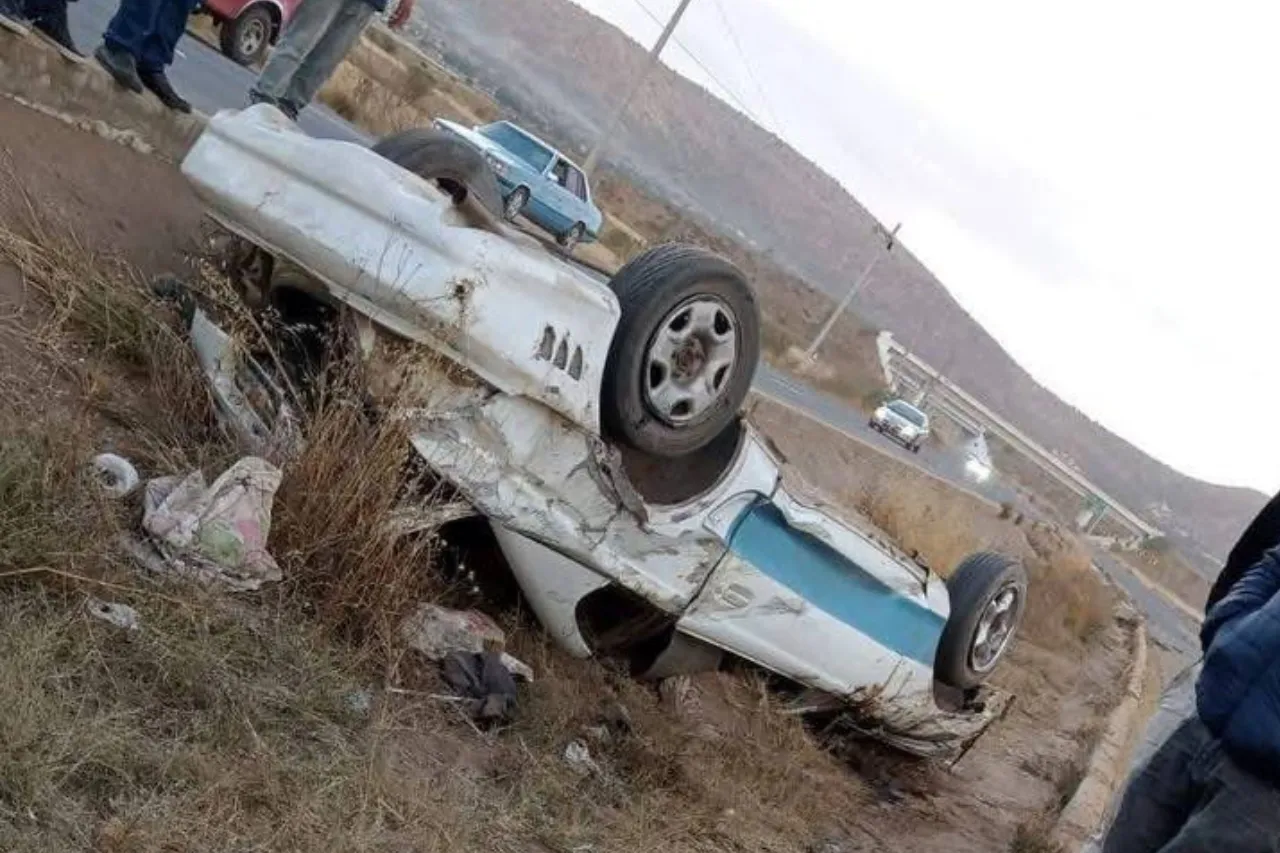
(123, 41)
(133, 21)
(49, 17)
(349, 21)
(1239, 813)
(1163, 795)
(158, 50)
(1177, 704)
(300, 37)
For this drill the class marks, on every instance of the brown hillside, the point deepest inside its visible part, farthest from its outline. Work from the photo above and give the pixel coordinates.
(558, 69)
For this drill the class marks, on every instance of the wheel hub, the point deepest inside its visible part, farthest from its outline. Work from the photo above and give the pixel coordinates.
(995, 629)
(690, 360)
(252, 38)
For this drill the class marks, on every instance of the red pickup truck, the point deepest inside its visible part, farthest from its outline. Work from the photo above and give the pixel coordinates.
(247, 28)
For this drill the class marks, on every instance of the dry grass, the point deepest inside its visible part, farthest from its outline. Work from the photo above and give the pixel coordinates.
(1035, 837)
(383, 93)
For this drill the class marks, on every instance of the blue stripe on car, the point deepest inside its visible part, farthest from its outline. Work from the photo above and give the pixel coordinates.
(834, 584)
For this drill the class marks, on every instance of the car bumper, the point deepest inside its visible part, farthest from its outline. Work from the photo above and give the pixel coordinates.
(897, 434)
(394, 249)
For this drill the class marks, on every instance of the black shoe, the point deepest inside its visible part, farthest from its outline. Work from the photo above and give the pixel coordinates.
(120, 65)
(57, 33)
(256, 97)
(158, 83)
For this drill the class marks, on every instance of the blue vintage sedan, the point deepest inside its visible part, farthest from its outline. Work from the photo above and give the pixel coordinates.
(536, 180)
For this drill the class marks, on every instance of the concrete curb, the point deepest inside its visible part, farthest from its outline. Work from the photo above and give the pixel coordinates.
(1110, 759)
(81, 93)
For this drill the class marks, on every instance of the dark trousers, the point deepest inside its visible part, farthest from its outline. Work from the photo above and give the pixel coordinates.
(51, 14)
(1190, 797)
(149, 30)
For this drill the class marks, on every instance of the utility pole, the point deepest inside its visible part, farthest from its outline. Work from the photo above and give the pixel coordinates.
(890, 241)
(593, 157)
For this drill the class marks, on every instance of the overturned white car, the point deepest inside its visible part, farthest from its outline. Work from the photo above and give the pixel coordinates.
(596, 425)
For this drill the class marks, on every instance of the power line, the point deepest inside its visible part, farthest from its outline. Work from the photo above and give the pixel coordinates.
(746, 63)
(705, 70)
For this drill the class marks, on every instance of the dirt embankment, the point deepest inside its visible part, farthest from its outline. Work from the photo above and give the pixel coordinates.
(252, 723)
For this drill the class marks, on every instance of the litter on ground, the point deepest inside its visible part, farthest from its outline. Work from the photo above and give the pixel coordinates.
(120, 615)
(215, 532)
(115, 474)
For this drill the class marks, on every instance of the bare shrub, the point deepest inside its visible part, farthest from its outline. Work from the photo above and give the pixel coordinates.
(1065, 596)
(332, 517)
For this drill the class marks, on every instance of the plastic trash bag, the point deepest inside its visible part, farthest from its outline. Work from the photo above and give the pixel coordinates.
(219, 531)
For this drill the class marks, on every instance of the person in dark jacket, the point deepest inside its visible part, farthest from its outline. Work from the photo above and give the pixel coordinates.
(1178, 701)
(1215, 782)
(314, 43)
(1262, 534)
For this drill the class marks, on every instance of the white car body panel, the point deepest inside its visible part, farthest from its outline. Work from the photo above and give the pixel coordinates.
(395, 249)
(847, 614)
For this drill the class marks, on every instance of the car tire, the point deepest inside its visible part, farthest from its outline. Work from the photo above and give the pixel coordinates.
(978, 590)
(915, 448)
(514, 204)
(246, 37)
(571, 238)
(457, 168)
(709, 358)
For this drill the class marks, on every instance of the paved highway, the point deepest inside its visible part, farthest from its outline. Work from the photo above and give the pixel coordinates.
(212, 82)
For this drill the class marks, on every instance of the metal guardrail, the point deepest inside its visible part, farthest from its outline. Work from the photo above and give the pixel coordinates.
(952, 397)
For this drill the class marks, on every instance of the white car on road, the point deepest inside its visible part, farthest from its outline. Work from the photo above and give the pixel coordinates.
(902, 422)
(596, 427)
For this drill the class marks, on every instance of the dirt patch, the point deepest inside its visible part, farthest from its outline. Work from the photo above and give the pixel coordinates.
(117, 200)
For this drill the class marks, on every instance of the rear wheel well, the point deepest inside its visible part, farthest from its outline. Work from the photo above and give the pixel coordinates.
(617, 622)
(277, 19)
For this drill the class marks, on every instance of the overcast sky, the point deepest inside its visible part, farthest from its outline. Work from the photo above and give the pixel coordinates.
(1097, 183)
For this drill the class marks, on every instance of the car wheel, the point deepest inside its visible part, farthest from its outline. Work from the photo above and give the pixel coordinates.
(988, 594)
(457, 168)
(515, 203)
(246, 37)
(915, 448)
(685, 351)
(571, 238)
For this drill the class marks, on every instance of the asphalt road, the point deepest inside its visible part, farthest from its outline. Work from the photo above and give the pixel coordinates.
(212, 82)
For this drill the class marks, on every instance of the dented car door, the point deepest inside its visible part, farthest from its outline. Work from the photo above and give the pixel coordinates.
(801, 594)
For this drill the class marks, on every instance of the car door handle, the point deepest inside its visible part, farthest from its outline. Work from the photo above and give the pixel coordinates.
(734, 595)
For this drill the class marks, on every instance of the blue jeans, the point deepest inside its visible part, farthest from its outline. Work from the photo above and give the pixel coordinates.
(1190, 797)
(149, 30)
(313, 45)
(1177, 703)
